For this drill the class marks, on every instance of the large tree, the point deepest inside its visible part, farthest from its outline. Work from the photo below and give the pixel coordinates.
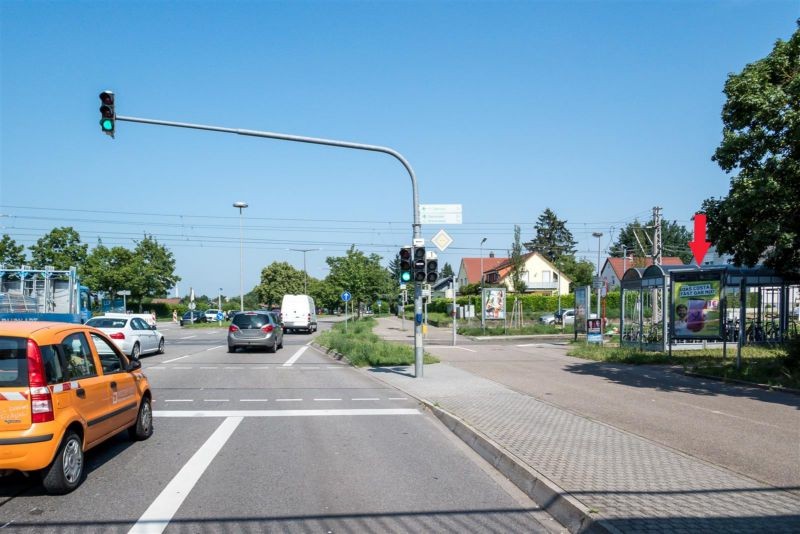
(758, 219)
(553, 239)
(278, 279)
(108, 269)
(11, 254)
(361, 275)
(579, 271)
(447, 270)
(636, 240)
(154, 272)
(61, 249)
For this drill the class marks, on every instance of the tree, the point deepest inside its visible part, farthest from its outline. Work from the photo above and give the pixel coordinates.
(447, 270)
(518, 285)
(279, 279)
(11, 254)
(361, 275)
(61, 249)
(153, 272)
(553, 239)
(579, 271)
(761, 140)
(108, 269)
(636, 239)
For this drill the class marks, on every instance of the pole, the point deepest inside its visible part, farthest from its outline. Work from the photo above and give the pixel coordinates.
(455, 312)
(241, 205)
(219, 304)
(598, 235)
(483, 315)
(416, 226)
(305, 272)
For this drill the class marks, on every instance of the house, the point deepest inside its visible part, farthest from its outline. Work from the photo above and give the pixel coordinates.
(470, 270)
(538, 274)
(614, 268)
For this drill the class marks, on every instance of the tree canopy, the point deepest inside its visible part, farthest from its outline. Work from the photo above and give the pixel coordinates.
(636, 238)
(361, 275)
(61, 249)
(11, 254)
(552, 239)
(279, 279)
(758, 219)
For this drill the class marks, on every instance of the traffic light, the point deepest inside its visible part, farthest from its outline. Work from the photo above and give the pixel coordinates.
(419, 264)
(432, 270)
(405, 265)
(107, 113)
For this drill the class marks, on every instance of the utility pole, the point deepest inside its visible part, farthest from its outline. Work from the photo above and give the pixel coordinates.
(658, 246)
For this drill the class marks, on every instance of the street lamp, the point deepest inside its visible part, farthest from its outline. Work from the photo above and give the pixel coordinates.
(598, 235)
(241, 205)
(483, 315)
(305, 273)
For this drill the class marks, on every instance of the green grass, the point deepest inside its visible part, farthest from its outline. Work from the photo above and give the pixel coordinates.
(363, 348)
(761, 365)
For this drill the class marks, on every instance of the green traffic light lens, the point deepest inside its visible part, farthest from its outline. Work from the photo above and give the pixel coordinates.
(107, 125)
(405, 277)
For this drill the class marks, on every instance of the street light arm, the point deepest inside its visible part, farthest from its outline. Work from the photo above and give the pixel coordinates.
(300, 139)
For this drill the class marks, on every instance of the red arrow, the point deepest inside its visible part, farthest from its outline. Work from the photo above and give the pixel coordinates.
(699, 246)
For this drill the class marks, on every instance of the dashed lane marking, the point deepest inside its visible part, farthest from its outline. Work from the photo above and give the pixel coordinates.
(286, 413)
(297, 355)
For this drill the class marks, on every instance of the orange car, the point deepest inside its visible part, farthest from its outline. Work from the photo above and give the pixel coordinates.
(65, 388)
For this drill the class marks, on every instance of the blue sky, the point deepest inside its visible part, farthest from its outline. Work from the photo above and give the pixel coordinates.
(597, 110)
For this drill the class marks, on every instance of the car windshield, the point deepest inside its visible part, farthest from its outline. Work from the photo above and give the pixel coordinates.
(101, 322)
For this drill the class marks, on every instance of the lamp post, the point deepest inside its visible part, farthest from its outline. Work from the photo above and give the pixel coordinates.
(241, 205)
(219, 304)
(305, 273)
(598, 235)
(483, 315)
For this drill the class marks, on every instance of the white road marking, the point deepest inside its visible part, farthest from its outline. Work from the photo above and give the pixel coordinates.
(327, 399)
(158, 515)
(460, 348)
(398, 398)
(366, 399)
(285, 413)
(176, 359)
(308, 367)
(209, 367)
(288, 400)
(253, 400)
(187, 337)
(335, 367)
(179, 400)
(182, 367)
(215, 400)
(297, 354)
(262, 367)
(155, 367)
(213, 348)
(234, 367)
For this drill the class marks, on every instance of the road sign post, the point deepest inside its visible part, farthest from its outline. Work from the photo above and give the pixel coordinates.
(346, 296)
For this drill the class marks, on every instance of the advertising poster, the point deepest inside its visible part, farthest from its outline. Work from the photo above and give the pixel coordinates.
(494, 303)
(696, 309)
(581, 307)
(593, 332)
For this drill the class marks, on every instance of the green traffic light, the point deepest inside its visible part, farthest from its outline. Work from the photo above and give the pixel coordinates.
(405, 276)
(107, 125)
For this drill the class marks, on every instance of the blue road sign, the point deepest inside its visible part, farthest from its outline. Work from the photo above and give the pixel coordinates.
(219, 316)
(346, 296)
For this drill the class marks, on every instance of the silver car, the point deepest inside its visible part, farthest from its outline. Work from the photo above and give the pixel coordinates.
(255, 329)
(132, 335)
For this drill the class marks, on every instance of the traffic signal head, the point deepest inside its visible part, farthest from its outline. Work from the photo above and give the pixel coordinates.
(405, 265)
(419, 264)
(431, 270)
(107, 113)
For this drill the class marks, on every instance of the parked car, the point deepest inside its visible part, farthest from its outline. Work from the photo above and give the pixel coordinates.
(553, 318)
(299, 313)
(255, 329)
(131, 334)
(193, 316)
(56, 382)
(211, 314)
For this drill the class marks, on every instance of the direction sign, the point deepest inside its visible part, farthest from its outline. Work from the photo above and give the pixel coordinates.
(346, 296)
(192, 305)
(124, 292)
(442, 240)
(440, 213)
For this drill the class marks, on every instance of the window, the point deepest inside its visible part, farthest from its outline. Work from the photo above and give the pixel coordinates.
(53, 369)
(110, 360)
(13, 361)
(138, 324)
(80, 363)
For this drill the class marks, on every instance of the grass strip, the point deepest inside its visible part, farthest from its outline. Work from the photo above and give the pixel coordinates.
(362, 348)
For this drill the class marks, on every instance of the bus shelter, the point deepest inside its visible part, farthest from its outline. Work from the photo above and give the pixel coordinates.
(688, 305)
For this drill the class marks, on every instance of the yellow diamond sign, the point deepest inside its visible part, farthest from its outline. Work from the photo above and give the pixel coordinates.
(442, 240)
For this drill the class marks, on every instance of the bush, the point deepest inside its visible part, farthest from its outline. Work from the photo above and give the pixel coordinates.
(363, 348)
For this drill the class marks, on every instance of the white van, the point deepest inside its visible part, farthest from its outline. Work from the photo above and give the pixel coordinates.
(299, 313)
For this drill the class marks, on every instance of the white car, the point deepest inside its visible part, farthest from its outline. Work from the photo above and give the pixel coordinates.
(132, 335)
(211, 315)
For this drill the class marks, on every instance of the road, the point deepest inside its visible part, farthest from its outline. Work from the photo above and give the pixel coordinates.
(748, 430)
(293, 441)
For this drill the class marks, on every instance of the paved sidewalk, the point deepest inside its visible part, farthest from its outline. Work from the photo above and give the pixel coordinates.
(588, 474)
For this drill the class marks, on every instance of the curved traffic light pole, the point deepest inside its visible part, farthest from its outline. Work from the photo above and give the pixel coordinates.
(418, 348)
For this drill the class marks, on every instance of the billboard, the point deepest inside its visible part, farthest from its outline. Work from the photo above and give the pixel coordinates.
(494, 303)
(696, 309)
(582, 304)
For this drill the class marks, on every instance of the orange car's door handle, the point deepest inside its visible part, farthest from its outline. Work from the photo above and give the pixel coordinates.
(80, 392)
(113, 385)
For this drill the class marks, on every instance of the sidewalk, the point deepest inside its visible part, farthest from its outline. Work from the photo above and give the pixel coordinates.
(587, 474)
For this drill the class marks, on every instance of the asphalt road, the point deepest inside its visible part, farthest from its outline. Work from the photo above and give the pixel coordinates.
(287, 442)
(745, 429)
